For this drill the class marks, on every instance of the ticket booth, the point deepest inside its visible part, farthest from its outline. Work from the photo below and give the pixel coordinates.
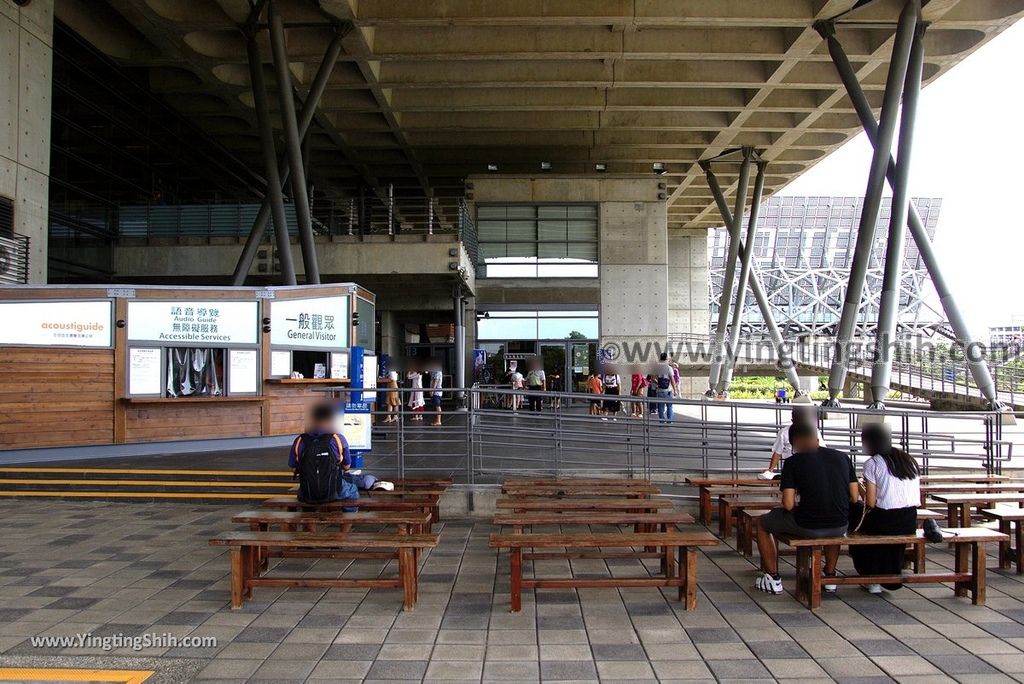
(97, 365)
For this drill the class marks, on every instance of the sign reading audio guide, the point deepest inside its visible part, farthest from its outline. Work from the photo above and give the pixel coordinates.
(50, 324)
(187, 322)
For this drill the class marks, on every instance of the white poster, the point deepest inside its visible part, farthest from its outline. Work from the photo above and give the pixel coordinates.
(50, 324)
(321, 323)
(369, 377)
(144, 372)
(280, 364)
(187, 323)
(357, 429)
(243, 371)
(339, 365)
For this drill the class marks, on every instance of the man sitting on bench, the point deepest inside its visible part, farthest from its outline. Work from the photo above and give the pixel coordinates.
(320, 458)
(826, 482)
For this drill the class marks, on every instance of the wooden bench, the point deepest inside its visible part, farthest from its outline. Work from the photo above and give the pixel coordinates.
(290, 503)
(1011, 523)
(245, 552)
(563, 490)
(930, 490)
(979, 478)
(595, 504)
(684, 544)
(704, 485)
(959, 506)
(747, 518)
(615, 482)
(519, 521)
(968, 573)
(414, 522)
(730, 504)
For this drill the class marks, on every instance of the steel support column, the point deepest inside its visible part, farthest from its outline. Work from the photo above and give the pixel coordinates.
(885, 335)
(259, 96)
(735, 226)
(293, 146)
(459, 379)
(785, 359)
(980, 371)
(741, 286)
(259, 226)
(895, 78)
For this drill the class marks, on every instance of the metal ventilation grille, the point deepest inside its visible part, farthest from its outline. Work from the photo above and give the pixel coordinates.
(6, 216)
(13, 248)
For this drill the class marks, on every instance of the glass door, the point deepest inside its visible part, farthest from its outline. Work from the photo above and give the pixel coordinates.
(583, 357)
(553, 355)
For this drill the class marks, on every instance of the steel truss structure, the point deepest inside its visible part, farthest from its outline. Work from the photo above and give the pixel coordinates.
(803, 259)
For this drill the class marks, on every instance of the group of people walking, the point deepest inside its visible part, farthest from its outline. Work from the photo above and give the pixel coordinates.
(658, 386)
(822, 496)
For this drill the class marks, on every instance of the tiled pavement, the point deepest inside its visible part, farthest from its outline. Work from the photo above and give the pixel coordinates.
(107, 568)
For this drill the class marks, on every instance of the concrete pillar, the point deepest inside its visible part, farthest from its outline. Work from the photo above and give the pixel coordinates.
(26, 69)
(688, 296)
(634, 277)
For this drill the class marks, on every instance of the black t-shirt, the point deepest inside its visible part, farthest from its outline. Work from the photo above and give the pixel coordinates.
(822, 480)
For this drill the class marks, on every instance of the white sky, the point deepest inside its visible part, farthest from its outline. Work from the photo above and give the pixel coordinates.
(968, 150)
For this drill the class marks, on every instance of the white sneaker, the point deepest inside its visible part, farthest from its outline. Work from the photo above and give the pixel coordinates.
(830, 588)
(873, 588)
(768, 583)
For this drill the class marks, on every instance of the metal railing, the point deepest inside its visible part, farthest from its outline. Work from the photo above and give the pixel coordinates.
(13, 259)
(922, 371)
(364, 216)
(484, 442)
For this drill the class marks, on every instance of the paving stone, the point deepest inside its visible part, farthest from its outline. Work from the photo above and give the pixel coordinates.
(455, 669)
(618, 652)
(507, 671)
(615, 670)
(560, 670)
(397, 669)
(738, 669)
(223, 668)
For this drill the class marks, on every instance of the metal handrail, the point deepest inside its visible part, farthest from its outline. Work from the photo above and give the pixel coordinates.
(14, 260)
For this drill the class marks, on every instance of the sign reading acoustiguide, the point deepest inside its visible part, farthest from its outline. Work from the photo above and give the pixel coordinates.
(188, 322)
(50, 324)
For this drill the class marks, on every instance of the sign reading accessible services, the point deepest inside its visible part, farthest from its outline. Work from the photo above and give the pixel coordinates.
(187, 322)
(321, 323)
(50, 324)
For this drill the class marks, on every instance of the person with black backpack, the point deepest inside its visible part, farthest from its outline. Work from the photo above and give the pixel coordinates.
(319, 458)
(666, 388)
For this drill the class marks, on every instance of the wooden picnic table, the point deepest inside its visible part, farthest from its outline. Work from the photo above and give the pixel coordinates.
(963, 477)
(704, 485)
(958, 506)
(1011, 523)
(641, 521)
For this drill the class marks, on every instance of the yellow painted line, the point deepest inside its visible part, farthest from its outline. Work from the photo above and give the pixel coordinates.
(149, 483)
(48, 674)
(141, 495)
(147, 471)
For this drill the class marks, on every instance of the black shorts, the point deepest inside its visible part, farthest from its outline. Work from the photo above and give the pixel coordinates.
(781, 521)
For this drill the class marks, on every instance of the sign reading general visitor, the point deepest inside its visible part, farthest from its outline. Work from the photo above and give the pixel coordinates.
(321, 323)
(51, 324)
(188, 323)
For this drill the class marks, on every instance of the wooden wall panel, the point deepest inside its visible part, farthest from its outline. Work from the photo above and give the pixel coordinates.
(157, 422)
(56, 397)
(288, 407)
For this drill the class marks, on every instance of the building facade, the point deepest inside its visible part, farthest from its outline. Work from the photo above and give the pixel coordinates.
(803, 249)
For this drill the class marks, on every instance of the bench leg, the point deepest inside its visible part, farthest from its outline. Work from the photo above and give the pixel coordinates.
(516, 568)
(1018, 535)
(978, 562)
(668, 562)
(407, 571)
(1004, 547)
(237, 577)
(803, 564)
(814, 579)
(688, 570)
(724, 518)
(920, 564)
(961, 559)
(705, 506)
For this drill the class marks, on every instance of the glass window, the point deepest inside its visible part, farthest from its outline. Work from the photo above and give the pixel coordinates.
(195, 372)
(538, 241)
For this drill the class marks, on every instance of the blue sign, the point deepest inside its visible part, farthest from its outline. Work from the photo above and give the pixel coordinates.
(949, 375)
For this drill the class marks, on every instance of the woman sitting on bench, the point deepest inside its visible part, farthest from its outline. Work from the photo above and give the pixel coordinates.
(892, 495)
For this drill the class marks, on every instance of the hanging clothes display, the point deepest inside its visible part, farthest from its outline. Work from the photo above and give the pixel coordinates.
(194, 372)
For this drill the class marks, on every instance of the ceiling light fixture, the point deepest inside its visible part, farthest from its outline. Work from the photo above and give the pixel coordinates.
(659, 168)
(600, 167)
(545, 166)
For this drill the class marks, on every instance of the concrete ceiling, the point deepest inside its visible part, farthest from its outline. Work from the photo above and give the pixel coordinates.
(428, 92)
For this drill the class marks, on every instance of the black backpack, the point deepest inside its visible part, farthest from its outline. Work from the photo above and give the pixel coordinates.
(319, 470)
